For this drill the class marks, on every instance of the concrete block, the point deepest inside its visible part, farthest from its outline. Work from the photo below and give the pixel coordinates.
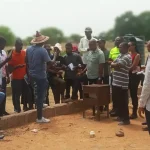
(3, 123)
(61, 109)
(49, 112)
(30, 116)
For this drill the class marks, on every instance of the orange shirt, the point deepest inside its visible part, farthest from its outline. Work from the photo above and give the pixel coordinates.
(18, 59)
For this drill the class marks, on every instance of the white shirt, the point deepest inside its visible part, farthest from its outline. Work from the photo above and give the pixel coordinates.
(145, 95)
(3, 57)
(83, 46)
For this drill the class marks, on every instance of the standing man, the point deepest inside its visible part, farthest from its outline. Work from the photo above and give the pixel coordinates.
(114, 53)
(5, 75)
(144, 104)
(95, 63)
(84, 43)
(72, 60)
(106, 72)
(36, 58)
(56, 76)
(2, 95)
(120, 83)
(18, 69)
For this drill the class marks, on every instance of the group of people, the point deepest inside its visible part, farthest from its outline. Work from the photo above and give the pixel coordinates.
(32, 72)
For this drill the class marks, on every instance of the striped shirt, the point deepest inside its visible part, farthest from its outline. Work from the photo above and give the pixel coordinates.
(121, 75)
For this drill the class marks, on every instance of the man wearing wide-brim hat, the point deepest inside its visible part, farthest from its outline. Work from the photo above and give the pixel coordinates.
(37, 57)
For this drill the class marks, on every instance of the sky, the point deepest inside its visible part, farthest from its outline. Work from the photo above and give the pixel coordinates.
(25, 17)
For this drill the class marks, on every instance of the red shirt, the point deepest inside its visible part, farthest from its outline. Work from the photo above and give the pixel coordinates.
(18, 59)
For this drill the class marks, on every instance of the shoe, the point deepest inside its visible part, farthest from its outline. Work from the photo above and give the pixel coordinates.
(127, 122)
(144, 123)
(145, 129)
(112, 111)
(2, 137)
(133, 116)
(43, 120)
(45, 105)
(113, 114)
(25, 108)
(6, 113)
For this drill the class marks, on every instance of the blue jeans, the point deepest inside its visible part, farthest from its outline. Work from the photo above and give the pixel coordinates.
(40, 89)
(2, 96)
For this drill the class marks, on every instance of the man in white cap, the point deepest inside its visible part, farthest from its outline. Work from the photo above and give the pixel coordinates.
(55, 75)
(84, 43)
(36, 58)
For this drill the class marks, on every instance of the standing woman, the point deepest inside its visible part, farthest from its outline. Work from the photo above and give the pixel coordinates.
(134, 79)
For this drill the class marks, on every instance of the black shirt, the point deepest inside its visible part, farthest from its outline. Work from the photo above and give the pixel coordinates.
(75, 59)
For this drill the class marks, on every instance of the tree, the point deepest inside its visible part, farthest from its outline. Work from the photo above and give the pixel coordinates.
(27, 40)
(75, 38)
(56, 35)
(127, 23)
(145, 21)
(109, 35)
(8, 35)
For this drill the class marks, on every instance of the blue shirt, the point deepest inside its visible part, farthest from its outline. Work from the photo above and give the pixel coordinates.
(37, 57)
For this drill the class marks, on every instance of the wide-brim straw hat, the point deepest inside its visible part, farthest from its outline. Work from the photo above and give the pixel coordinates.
(39, 38)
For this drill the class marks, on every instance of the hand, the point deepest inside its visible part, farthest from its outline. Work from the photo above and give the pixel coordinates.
(60, 72)
(8, 80)
(64, 67)
(9, 57)
(21, 66)
(141, 111)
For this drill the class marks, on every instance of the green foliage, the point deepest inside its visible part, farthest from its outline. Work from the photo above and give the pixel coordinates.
(8, 35)
(56, 35)
(75, 38)
(27, 40)
(128, 23)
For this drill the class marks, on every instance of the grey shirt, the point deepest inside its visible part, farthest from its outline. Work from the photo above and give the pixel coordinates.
(37, 57)
(75, 59)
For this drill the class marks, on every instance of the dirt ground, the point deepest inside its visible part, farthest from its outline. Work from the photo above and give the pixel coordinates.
(72, 132)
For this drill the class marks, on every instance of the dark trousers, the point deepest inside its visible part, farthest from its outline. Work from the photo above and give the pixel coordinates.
(113, 98)
(27, 97)
(134, 81)
(121, 100)
(147, 115)
(93, 81)
(40, 88)
(47, 95)
(58, 88)
(82, 81)
(142, 76)
(74, 83)
(17, 88)
(3, 104)
(105, 80)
